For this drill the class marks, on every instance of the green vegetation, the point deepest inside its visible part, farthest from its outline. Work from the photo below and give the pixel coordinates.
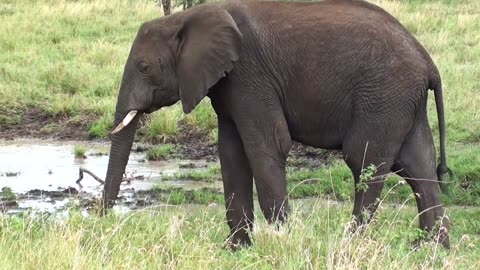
(335, 180)
(177, 196)
(100, 128)
(10, 119)
(68, 61)
(209, 174)
(71, 64)
(203, 118)
(316, 236)
(79, 151)
(164, 123)
(161, 152)
(7, 194)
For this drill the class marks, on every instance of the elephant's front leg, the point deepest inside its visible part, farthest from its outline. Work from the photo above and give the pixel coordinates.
(237, 183)
(267, 144)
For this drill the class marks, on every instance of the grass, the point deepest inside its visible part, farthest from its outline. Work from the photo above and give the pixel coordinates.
(71, 64)
(203, 117)
(163, 124)
(100, 128)
(79, 151)
(161, 152)
(210, 174)
(184, 237)
(335, 180)
(7, 194)
(176, 196)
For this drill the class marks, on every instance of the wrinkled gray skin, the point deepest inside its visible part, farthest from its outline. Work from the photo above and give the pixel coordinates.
(333, 74)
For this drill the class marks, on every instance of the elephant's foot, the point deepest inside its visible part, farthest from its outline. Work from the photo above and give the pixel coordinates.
(443, 238)
(440, 237)
(359, 224)
(238, 240)
(439, 234)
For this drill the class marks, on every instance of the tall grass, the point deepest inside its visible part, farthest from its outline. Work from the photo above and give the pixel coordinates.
(70, 55)
(184, 237)
(164, 123)
(66, 58)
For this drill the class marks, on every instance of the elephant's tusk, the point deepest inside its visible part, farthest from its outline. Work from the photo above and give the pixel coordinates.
(125, 121)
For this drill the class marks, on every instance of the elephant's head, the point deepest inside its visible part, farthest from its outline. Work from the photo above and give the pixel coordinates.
(178, 57)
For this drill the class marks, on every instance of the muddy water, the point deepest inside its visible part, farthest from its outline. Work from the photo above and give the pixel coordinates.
(39, 172)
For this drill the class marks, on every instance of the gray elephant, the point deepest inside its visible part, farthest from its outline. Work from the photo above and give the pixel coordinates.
(338, 74)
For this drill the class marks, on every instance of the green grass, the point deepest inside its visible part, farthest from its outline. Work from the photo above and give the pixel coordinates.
(161, 152)
(209, 174)
(7, 194)
(203, 117)
(79, 151)
(100, 128)
(184, 237)
(68, 60)
(163, 124)
(177, 196)
(72, 63)
(335, 180)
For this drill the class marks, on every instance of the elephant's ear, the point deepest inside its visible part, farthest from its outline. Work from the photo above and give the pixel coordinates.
(209, 44)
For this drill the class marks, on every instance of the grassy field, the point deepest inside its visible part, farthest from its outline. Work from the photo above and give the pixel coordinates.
(66, 57)
(193, 237)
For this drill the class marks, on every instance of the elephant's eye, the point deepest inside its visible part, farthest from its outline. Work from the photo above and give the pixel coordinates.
(143, 67)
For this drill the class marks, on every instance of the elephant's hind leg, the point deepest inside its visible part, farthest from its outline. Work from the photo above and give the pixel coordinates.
(370, 152)
(416, 163)
(237, 183)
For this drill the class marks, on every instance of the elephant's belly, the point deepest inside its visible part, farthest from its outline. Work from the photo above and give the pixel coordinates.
(318, 114)
(326, 136)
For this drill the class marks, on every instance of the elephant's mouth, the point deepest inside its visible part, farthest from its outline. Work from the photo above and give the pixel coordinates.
(129, 117)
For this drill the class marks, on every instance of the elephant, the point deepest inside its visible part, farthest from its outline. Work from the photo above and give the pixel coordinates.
(336, 74)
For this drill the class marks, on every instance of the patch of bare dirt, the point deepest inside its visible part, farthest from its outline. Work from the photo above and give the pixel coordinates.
(35, 123)
(304, 156)
(195, 144)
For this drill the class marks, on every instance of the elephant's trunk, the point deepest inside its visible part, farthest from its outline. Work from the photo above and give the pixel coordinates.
(119, 153)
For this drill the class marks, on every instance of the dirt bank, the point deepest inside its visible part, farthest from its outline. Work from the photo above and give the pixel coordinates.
(34, 123)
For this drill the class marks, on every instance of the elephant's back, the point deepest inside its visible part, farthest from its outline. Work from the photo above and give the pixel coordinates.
(339, 26)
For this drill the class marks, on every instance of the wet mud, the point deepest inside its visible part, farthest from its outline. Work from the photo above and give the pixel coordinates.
(41, 175)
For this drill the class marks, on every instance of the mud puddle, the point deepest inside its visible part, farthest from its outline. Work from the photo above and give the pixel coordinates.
(41, 175)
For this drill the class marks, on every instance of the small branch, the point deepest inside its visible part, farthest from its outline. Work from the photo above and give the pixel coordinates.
(126, 178)
(80, 176)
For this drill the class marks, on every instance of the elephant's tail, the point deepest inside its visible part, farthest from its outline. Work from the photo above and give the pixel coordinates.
(442, 169)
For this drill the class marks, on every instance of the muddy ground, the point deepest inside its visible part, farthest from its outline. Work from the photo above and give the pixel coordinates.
(192, 145)
(34, 123)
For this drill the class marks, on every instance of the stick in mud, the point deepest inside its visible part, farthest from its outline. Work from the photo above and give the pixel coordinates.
(80, 177)
(125, 178)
